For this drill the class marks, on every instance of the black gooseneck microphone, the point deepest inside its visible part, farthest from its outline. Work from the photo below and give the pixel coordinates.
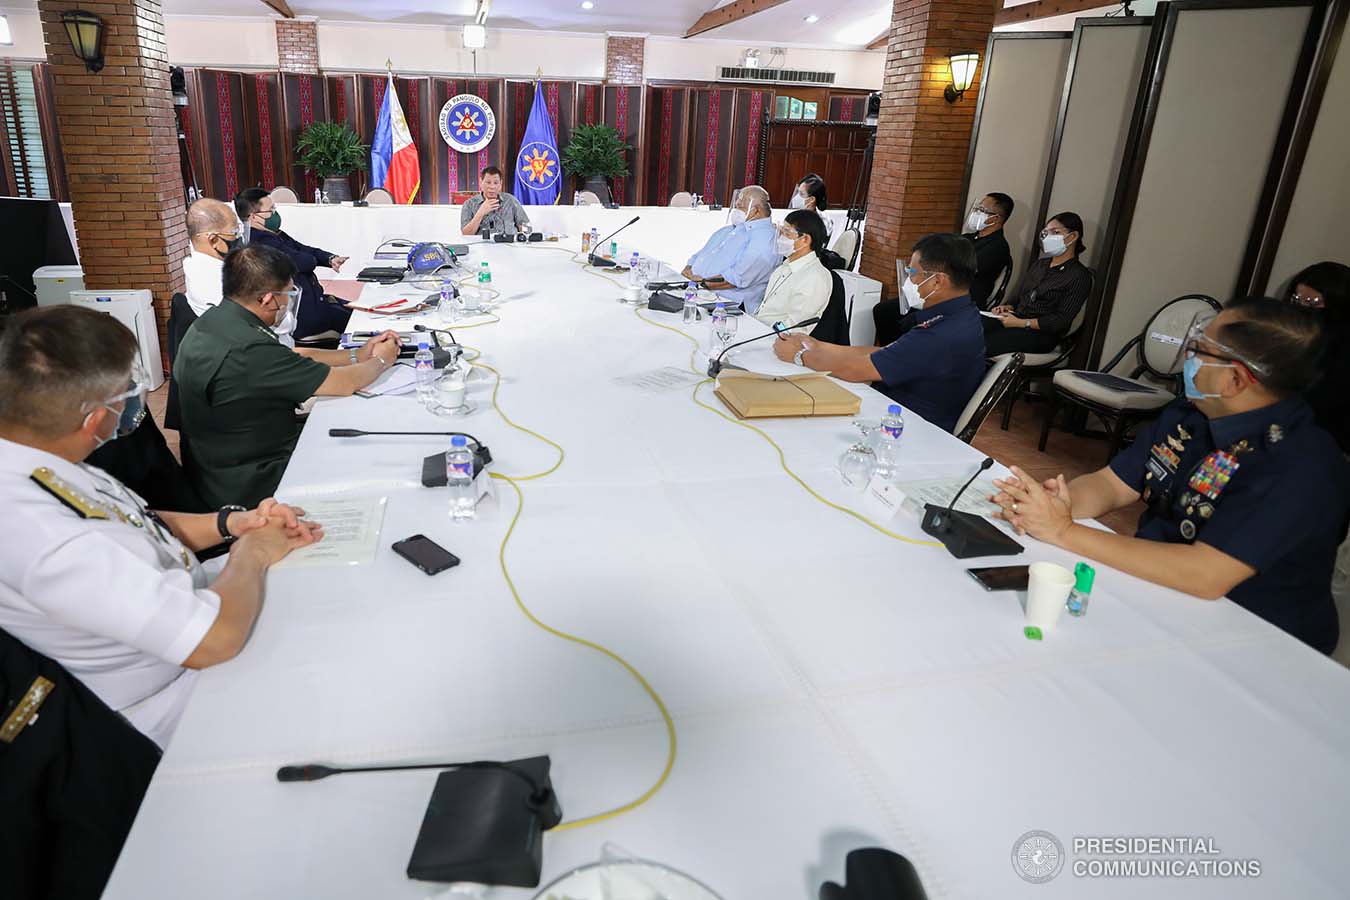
(599, 262)
(357, 432)
(430, 330)
(715, 365)
(966, 535)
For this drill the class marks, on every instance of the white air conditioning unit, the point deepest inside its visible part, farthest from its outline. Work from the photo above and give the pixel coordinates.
(775, 76)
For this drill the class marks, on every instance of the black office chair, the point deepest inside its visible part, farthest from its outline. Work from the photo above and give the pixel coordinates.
(71, 781)
(1122, 401)
(181, 318)
(834, 321)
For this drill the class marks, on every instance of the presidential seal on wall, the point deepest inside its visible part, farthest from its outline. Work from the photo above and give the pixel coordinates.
(467, 123)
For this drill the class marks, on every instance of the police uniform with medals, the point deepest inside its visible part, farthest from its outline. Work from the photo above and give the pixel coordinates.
(238, 388)
(92, 579)
(1266, 487)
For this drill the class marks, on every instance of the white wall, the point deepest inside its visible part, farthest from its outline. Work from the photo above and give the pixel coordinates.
(695, 60)
(221, 41)
(434, 49)
(26, 29)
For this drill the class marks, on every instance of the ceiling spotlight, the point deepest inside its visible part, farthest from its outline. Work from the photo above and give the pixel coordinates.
(811, 19)
(587, 4)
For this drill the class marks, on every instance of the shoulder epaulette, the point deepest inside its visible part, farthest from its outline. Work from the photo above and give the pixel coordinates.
(59, 488)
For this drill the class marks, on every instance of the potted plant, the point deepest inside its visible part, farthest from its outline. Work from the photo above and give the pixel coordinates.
(595, 153)
(332, 151)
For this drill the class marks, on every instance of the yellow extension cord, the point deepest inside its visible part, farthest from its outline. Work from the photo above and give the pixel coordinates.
(514, 482)
(782, 457)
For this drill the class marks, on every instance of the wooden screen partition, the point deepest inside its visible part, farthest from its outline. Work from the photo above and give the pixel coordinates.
(836, 151)
(1092, 133)
(1014, 126)
(1308, 223)
(667, 136)
(237, 132)
(304, 102)
(1213, 119)
(623, 110)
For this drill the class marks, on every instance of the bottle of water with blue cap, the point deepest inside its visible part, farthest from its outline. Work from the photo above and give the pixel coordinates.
(447, 304)
(424, 366)
(887, 442)
(690, 304)
(459, 479)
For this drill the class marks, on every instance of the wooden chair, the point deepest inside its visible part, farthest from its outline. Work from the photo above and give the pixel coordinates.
(588, 198)
(284, 195)
(379, 197)
(682, 199)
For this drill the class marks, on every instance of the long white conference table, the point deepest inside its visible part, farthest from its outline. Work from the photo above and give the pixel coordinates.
(832, 686)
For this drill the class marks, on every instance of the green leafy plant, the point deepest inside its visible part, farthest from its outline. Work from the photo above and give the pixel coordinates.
(331, 149)
(595, 150)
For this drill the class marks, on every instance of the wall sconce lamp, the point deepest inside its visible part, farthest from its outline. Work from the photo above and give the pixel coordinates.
(963, 73)
(85, 31)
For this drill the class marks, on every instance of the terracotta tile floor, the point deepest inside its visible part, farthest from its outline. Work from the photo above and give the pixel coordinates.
(1073, 456)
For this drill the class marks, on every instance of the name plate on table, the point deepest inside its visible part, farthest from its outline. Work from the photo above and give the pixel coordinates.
(751, 395)
(882, 499)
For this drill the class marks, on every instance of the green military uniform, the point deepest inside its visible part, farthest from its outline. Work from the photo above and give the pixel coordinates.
(238, 390)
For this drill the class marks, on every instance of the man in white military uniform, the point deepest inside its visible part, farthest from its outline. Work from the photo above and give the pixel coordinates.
(88, 575)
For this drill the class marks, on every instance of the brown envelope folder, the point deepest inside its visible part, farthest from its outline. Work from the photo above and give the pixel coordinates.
(754, 396)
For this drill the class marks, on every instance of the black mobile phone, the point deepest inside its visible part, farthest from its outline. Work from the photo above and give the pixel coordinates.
(1001, 578)
(426, 554)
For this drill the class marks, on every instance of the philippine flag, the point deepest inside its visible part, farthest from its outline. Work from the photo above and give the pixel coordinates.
(393, 158)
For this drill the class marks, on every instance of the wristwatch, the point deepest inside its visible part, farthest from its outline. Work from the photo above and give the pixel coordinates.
(222, 518)
(351, 351)
(797, 357)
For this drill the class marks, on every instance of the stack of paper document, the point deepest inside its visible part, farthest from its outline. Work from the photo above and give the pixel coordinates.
(397, 379)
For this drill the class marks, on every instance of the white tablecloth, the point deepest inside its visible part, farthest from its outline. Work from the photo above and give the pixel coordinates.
(674, 234)
(832, 687)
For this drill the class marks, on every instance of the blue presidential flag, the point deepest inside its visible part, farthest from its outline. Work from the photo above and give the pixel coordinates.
(538, 169)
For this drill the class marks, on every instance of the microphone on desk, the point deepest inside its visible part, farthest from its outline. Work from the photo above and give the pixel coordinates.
(715, 365)
(430, 330)
(599, 262)
(966, 535)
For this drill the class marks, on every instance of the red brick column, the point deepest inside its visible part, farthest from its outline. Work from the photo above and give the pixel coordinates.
(922, 140)
(298, 46)
(624, 56)
(120, 142)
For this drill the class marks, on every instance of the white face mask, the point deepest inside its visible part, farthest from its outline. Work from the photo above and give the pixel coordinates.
(976, 220)
(736, 217)
(1053, 244)
(911, 291)
(797, 202)
(785, 246)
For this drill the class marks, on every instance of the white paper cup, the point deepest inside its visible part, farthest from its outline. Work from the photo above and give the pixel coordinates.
(1048, 586)
(450, 393)
(632, 294)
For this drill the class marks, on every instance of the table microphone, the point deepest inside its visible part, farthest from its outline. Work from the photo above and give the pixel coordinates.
(599, 262)
(715, 365)
(966, 535)
(426, 328)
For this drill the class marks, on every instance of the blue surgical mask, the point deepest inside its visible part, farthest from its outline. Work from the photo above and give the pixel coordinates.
(1189, 369)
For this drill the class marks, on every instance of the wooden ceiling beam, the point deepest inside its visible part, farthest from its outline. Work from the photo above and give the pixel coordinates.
(881, 41)
(732, 12)
(1044, 9)
(280, 7)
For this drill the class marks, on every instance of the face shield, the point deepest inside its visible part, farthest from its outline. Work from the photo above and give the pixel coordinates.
(1197, 345)
(132, 402)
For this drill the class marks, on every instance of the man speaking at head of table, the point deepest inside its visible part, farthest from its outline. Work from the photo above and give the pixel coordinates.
(493, 210)
(738, 259)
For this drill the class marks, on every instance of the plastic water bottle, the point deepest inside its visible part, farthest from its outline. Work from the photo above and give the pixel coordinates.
(719, 325)
(576, 198)
(484, 273)
(633, 261)
(459, 479)
(887, 444)
(690, 304)
(595, 240)
(425, 368)
(585, 241)
(1083, 575)
(318, 196)
(447, 305)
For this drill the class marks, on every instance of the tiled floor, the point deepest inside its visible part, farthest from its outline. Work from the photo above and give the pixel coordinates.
(1065, 453)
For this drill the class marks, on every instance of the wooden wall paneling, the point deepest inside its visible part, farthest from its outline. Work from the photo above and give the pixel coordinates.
(836, 151)
(449, 173)
(710, 143)
(341, 105)
(753, 107)
(305, 101)
(265, 128)
(224, 142)
(623, 113)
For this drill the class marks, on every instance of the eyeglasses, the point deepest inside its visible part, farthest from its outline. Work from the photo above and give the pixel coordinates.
(132, 410)
(1046, 232)
(1197, 343)
(1313, 301)
(981, 209)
